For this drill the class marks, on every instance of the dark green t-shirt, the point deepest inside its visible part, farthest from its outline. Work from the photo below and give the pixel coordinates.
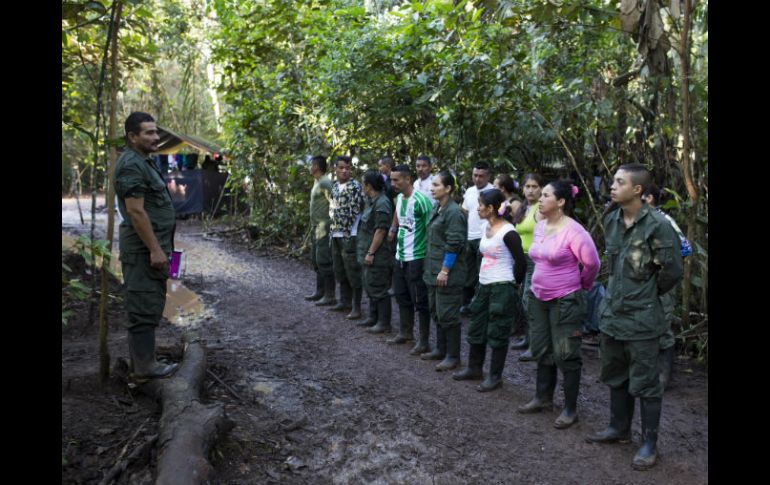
(137, 176)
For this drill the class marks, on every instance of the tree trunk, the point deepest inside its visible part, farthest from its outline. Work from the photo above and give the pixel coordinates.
(187, 426)
(95, 142)
(692, 191)
(104, 354)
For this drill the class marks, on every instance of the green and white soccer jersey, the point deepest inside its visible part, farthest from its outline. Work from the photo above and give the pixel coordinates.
(413, 217)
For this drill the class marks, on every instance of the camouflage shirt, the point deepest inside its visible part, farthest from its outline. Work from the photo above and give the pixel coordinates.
(644, 262)
(347, 204)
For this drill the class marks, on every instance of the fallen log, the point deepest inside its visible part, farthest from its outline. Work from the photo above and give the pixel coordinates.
(187, 426)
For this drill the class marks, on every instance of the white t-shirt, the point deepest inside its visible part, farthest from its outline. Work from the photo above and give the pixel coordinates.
(471, 204)
(424, 187)
(497, 261)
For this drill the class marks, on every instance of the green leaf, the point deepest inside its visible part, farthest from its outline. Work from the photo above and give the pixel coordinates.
(97, 7)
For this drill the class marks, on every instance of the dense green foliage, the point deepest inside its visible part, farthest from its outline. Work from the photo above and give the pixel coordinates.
(528, 85)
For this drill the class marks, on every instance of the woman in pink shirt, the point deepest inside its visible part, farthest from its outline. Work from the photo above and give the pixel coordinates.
(557, 305)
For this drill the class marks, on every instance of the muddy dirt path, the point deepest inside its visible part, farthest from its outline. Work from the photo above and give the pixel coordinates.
(322, 401)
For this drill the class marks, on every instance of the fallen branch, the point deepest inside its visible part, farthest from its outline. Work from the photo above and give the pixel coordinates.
(187, 426)
(232, 391)
(121, 465)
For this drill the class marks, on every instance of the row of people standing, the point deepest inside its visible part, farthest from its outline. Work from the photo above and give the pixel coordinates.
(433, 258)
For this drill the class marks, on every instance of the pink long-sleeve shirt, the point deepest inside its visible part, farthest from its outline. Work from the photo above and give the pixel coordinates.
(556, 259)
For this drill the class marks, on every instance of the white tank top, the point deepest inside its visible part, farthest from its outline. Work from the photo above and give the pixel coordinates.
(497, 262)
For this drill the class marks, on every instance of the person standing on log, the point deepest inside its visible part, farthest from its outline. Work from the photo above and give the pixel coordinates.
(146, 238)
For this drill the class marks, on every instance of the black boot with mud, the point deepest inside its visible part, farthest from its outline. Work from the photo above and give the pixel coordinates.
(495, 378)
(452, 358)
(328, 298)
(141, 346)
(568, 415)
(423, 343)
(355, 313)
(384, 312)
(545, 384)
(439, 351)
(474, 371)
(319, 289)
(346, 298)
(372, 319)
(621, 415)
(406, 326)
(647, 455)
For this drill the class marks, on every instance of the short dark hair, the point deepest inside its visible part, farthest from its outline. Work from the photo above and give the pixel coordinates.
(320, 161)
(374, 179)
(134, 122)
(426, 158)
(342, 158)
(387, 161)
(640, 175)
(482, 166)
(403, 169)
(447, 179)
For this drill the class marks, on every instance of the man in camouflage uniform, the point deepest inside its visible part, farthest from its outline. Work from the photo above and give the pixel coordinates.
(320, 197)
(644, 262)
(347, 203)
(146, 241)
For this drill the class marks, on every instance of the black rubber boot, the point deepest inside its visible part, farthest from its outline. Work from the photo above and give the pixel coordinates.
(328, 298)
(384, 312)
(452, 357)
(141, 347)
(621, 415)
(423, 344)
(355, 313)
(406, 325)
(571, 384)
(474, 371)
(666, 366)
(319, 289)
(521, 343)
(496, 365)
(647, 455)
(346, 297)
(372, 320)
(545, 384)
(439, 351)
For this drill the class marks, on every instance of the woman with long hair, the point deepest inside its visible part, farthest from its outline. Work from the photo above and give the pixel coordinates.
(557, 299)
(444, 272)
(491, 321)
(524, 220)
